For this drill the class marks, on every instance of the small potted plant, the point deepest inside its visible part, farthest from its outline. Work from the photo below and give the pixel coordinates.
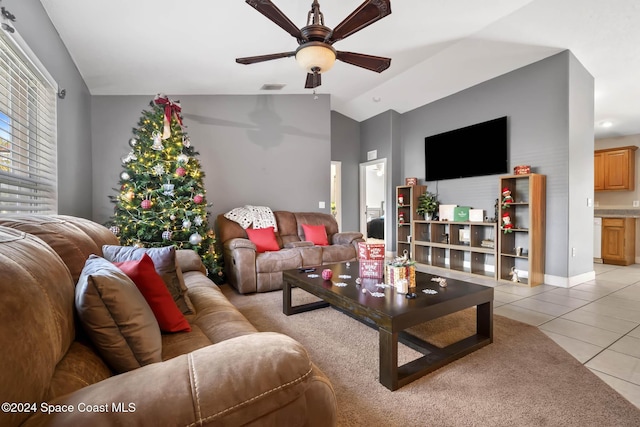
(427, 204)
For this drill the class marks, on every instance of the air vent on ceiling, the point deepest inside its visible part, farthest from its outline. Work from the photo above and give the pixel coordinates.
(272, 86)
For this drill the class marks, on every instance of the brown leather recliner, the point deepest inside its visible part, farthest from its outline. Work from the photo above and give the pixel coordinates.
(249, 271)
(223, 372)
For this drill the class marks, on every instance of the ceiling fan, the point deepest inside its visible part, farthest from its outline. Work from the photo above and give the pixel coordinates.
(315, 52)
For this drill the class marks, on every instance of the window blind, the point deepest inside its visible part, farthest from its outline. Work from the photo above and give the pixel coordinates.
(28, 152)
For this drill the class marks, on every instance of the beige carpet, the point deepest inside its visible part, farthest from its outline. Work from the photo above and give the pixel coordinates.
(522, 379)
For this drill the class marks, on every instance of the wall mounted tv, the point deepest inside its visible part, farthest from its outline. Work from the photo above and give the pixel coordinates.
(475, 150)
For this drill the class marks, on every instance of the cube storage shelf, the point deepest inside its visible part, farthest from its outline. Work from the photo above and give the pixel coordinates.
(406, 213)
(459, 246)
(527, 213)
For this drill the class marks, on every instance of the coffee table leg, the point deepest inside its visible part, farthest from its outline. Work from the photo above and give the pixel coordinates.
(484, 320)
(288, 309)
(388, 359)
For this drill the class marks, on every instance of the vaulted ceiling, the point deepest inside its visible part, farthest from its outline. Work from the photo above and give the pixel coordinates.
(437, 48)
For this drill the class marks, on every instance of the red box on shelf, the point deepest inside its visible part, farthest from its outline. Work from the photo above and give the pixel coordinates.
(411, 181)
(370, 269)
(370, 251)
(522, 170)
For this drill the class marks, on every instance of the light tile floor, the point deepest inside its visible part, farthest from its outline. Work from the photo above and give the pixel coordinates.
(598, 322)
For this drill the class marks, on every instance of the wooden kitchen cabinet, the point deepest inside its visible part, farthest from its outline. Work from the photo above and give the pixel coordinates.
(618, 241)
(614, 168)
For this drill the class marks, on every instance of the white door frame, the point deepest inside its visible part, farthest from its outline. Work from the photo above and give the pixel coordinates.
(337, 186)
(363, 193)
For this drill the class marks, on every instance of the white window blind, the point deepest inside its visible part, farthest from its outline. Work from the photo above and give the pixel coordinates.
(28, 176)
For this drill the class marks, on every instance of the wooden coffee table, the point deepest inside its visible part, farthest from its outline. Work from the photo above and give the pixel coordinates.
(394, 313)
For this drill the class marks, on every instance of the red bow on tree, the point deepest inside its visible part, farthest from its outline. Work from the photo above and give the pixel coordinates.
(170, 108)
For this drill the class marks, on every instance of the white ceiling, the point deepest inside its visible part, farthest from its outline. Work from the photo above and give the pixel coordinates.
(437, 47)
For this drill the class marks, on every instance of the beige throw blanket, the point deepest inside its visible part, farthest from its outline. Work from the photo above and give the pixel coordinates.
(259, 216)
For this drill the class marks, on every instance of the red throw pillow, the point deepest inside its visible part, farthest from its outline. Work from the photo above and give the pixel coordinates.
(316, 234)
(263, 238)
(143, 273)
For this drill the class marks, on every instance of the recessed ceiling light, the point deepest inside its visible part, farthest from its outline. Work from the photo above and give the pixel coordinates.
(606, 124)
(376, 99)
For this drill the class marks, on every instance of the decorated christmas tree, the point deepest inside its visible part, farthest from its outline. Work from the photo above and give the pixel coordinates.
(161, 199)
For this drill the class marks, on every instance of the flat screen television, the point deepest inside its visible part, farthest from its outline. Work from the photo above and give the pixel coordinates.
(475, 150)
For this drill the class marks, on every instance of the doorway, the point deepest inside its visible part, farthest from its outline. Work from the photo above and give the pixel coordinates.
(373, 184)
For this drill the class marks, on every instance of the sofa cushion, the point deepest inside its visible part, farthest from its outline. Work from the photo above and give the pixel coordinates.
(164, 260)
(116, 316)
(264, 239)
(316, 234)
(284, 259)
(154, 291)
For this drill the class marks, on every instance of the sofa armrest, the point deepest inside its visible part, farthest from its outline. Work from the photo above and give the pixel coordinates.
(262, 376)
(302, 244)
(238, 243)
(189, 260)
(347, 238)
(240, 264)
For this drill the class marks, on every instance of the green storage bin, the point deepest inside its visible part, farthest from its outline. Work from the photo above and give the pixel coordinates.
(461, 213)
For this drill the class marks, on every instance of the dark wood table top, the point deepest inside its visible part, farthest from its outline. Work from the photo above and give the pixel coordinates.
(393, 311)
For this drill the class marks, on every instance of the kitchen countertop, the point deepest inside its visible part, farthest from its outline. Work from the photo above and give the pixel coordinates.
(616, 213)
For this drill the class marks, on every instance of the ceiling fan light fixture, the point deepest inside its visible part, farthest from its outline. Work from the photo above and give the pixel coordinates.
(316, 56)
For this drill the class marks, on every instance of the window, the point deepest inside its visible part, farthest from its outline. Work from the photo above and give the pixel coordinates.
(28, 176)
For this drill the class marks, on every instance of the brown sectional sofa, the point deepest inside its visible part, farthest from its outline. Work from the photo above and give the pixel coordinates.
(249, 271)
(223, 372)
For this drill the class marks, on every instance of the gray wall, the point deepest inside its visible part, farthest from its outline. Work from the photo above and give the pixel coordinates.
(382, 133)
(543, 128)
(260, 150)
(74, 112)
(345, 148)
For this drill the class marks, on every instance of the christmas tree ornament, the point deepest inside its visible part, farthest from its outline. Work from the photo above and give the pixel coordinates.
(181, 171)
(157, 141)
(168, 189)
(172, 217)
(158, 170)
(129, 158)
(186, 141)
(124, 176)
(115, 230)
(183, 158)
(138, 244)
(145, 204)
(198, 198)
(133, 142)
(198, 221)
(195, 239)
(186, 224)
(167, 235)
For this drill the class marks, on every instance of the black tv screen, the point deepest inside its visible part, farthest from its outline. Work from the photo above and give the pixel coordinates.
(475, 150)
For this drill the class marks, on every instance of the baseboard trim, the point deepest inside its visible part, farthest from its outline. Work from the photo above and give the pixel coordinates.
(568, 282)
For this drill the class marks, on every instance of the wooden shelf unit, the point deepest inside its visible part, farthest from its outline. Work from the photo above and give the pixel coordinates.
(527, 214)
(455, 246)
(407, 211)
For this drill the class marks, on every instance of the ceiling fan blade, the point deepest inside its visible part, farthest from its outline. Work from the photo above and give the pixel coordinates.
(270, 10)
(370, 62)
(369, 12)
(313, 80)
(253, 59)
